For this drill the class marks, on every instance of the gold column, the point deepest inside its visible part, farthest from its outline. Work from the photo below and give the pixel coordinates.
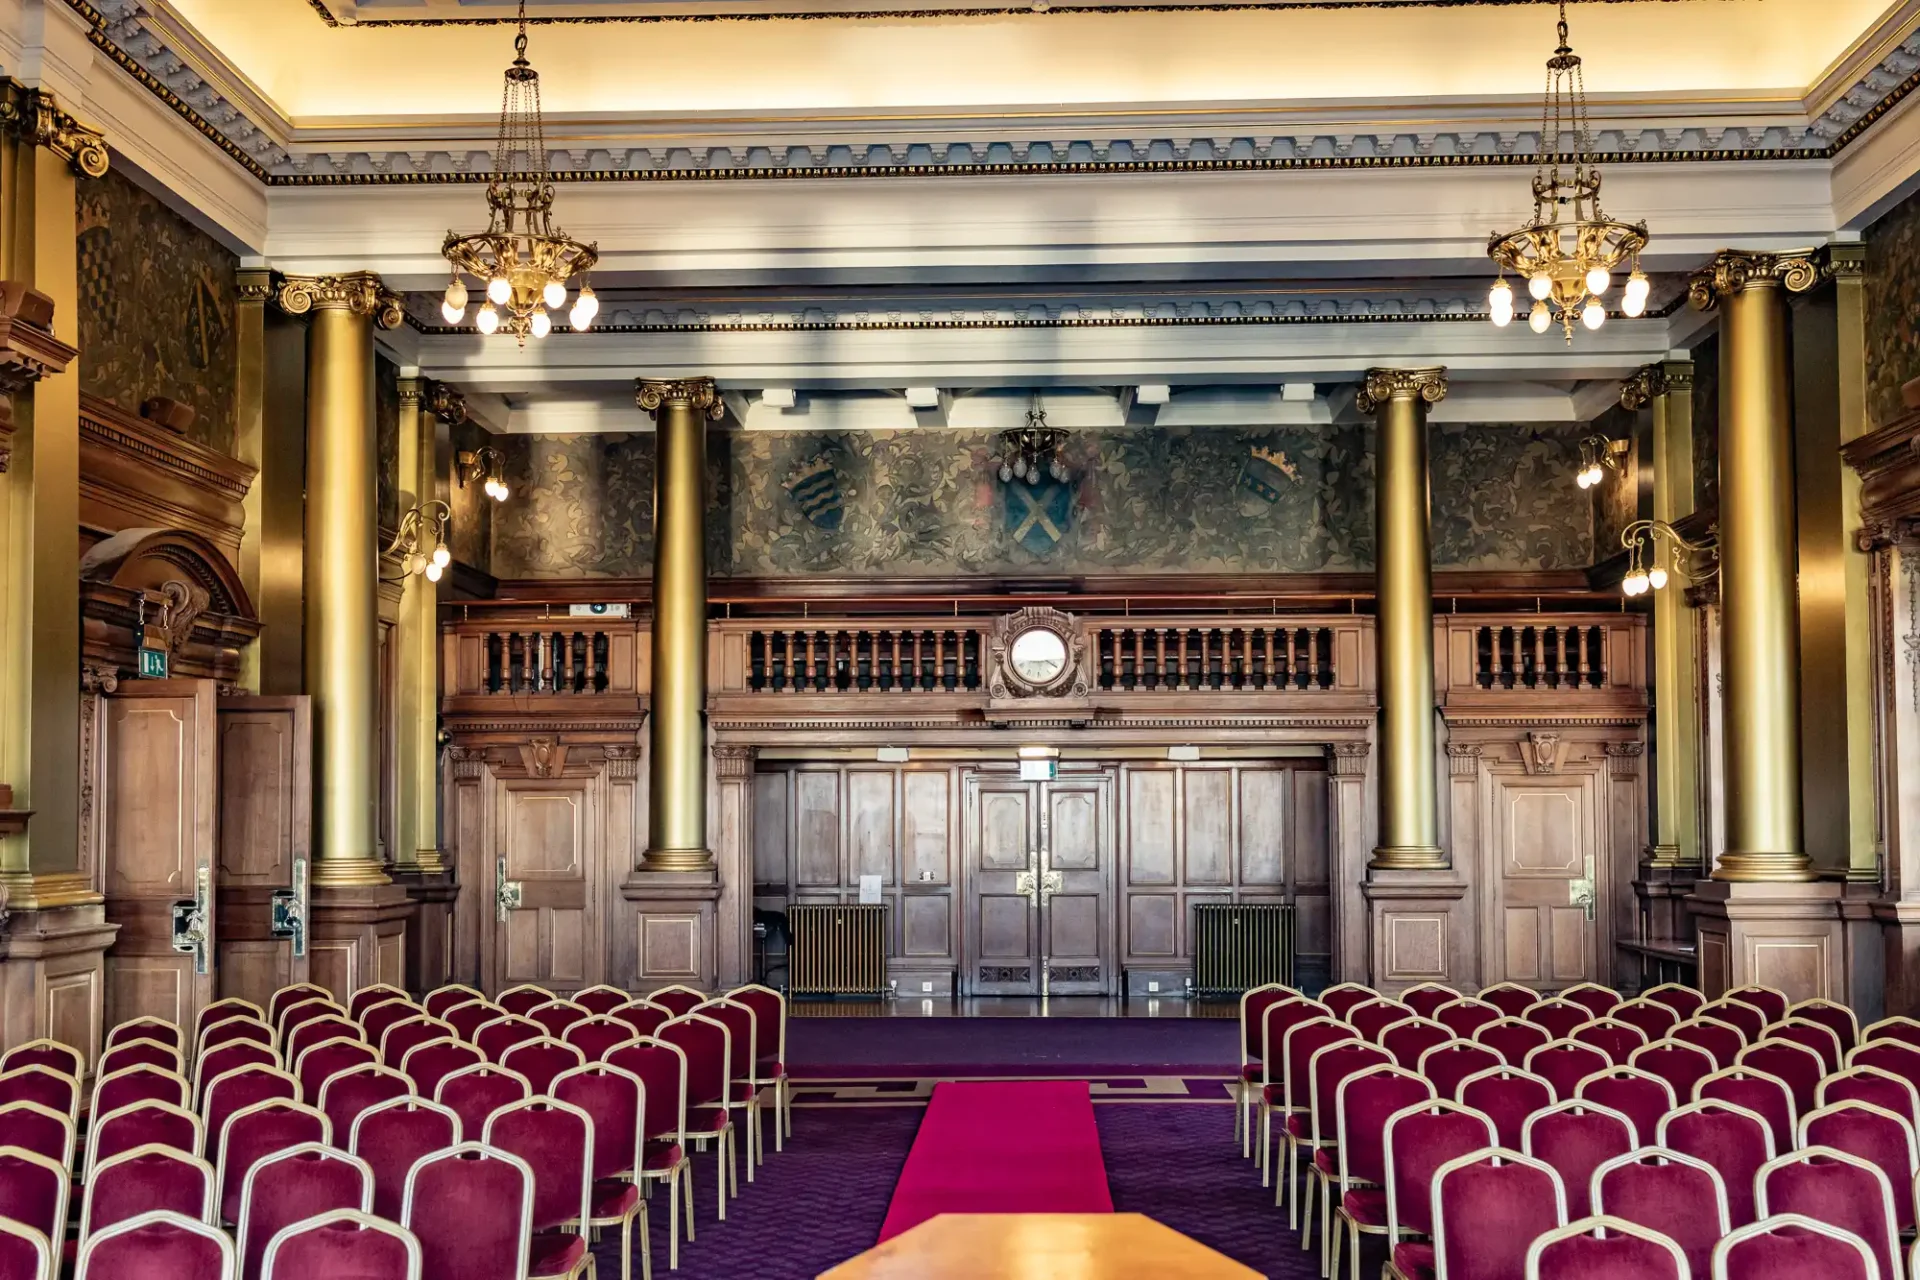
(42, 152)
(1760, 633)
(1668, 390)
(342, 567)
(1409, 805)
(417, 697)
(249, 445)
(677, 719)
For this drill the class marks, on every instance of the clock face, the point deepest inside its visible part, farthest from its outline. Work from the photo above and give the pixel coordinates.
(1038, 655)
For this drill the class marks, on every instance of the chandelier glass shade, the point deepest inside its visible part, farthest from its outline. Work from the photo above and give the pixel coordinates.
(1568, 255)
(1654, 545)
(1032, 453)
(522, 263)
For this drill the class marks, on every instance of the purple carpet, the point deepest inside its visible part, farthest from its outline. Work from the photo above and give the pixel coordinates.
(841, 1047)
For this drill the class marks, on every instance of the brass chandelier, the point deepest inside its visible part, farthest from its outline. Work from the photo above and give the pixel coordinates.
(1032, 453)
(522, 260)
(1568, 253)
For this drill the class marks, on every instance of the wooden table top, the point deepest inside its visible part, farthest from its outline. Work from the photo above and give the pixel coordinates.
(1041, 1246)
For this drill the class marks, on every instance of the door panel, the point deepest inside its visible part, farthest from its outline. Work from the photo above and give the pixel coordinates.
(549, 833)
(1543, 840)
(266, 810)
(1002, 838)
(1077, 852)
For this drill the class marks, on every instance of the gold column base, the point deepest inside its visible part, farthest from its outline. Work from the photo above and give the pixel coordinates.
(47, 891)
(677, 860)
(425, 862)
(1666, 856)
(1409, 857)
(348, 872)
(1771, 868)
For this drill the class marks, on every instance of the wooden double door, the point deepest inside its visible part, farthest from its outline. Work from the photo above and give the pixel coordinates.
(1038, 884)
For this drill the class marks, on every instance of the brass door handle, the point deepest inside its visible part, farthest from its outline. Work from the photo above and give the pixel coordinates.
(506, 893)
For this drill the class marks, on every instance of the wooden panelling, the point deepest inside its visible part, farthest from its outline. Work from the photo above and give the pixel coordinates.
(266, 802)
(549, 844)
(1543, 837)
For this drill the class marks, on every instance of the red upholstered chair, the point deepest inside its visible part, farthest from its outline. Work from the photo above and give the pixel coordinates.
(428, 1064)
(1875, 1135)
(1835, 1188)
(1510, 998)
(1680, 1196)
(556, 1141)
(709, 1081)
(1327, 1069)
(743, 1099)
(1416, 1142)
(539, 1061)
(524, 998)
(54, 1090)
(1768, 1000)
(256, 1132)
(1506, 1096)
(1576, 1138)
(1872, 1084)
(467, 1019)
(1488, 1208)
(1896, 1057)
(1683, 1000)
(297, 1040)
(235, 1026)
(1448, 1064)
(343, 1243)
(1721, 1040)
(52, 1054)
(1759, 1092)
(289, 996)
(1424, 998)
(1289, 1094)
(1799, 1066)
(661, 1069)
(555, 1016)
(1817, 1036)
(1738, 1013)
(471, 1208)
(1614, 1038)
(1513, 1039)
(598, 1036)
(770, 1071)
(441, 999)
(144, 1179)
(346, 1094)
(33, 1191)
(147, 1029)
(383, 1017)
(615, 1101)
(1680, 1064)
(1656, 1020)
(1407, 1039)
(38, 1129)
(291, 1186)
(230, 1007)
(681, 1000)
(311, 1010)
(25, 1254)
(143, 1124)
(232, 1056)
(1791, 1246)
(129, 1085)
(1266, 1075)
(139, 1053)
(1732, 1139)
(1903, 1029)
(1371, 1017)
(391, 1136)
(366, 997)
(240, 1089)
(476, 1092)
(327, 1059)
(503, 1033)
(409, 1033)
(1595, 999)
(1602, 1246)
(600, 1000)
(1558, 1016)
(1253, 1051)
(1564, 1064)
(157, 1246)
(1640, 1096)
(1363, 1103)
(1832, 1015)
(645, 1018)
(1466, 1015)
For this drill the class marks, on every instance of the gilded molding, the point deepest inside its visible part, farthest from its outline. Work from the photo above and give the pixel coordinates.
(361, 292)
(35, 115)
(1734, 270)
(1645, 386)
(255, 284)
(1382, 385)
(699, 393)
(447, 404)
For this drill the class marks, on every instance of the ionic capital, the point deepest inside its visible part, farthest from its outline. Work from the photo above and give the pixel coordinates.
(35, 116)
(1382, 385)
(1736, 270)
(447, 404)
(651, 394)
(361, 292)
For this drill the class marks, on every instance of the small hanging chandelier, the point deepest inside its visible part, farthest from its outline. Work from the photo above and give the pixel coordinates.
(522, 261)
(1032, 453)
(1568, 253)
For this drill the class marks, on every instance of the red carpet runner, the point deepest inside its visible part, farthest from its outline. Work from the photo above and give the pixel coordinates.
(997, 1147)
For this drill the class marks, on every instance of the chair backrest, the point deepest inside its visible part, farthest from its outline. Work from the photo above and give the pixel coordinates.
(1720, 1040)
(1612, 1037)
(1678, 1195)
(470, 1207)
(1513, 1039)
(52, 1054)
(556, 1140)
(504, 1032)
(346, 1094)
(1792, 1246)
(408, 1033)
(1817, 1036)
(1363, 1102)
(144, 1179)
(1254, 1004)
(313, 1031)
(1770, 1001)
(1407, 1039)
(237, 1090)
(1835, 1188)
(430, 1063)
(327, 1059)
(1596, 999)
(147, 1029)
(1734, 1140)
(1899, 1028)
(1329, 1067)
(1507, 1096)
(1655, 1019)
(1576, 1138)
(1640, 1096)
(770, 1010)
(310, 1010)
(391, 1136)
(1510, 998)
(1343, 996)
(378, 1019)
(1872, 1084)
(54, 1090)
(1276, 1019)
(33, 1190)
(256, 1132)
(1877, 1136)
(741, 1028)
(1415, 1142)
(1466, 1015)
(600, 1000)
(1298, 1045)
(644, 1017)
(291, 1186)
(1752, 1023)
(467, 1019)
(143, 1124)
(139, 1053)
(1682, 999)
(226, 1058)
(344, 1242)
(661, 1069)
(1796, 1064)
(25, 1254)
(1564, 1064)
(1604, 1246)
(681, 1000)
(441, 999)
(1371, 1017)
(1448, 1064)
(1487, 1208)
(598, 1036)
(476, 1092)
(523, 998)
(157, 1246)
(1894, 1056)
(228, 1007)
(289, 996)
(555, 1016)
(615, 1101)
(1426, 997)
(38, 1129)
(709, 1054)
(1759, 1092)
(1558, 1016)
(541, 1060)
(366, 997)
(1680, 1064)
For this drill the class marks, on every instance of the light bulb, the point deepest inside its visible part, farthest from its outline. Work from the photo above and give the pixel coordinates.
(1584, 480)
(579, 318)
(1020, 467)
(486, 320)
(1634, 300)
(1006, 473)
(453, 314)
(555, 294)
(1501, 316)
(441, 556)
(586, 305)
(1540, 319)
(416, 563)
(1540, 284)
(541, 324)
(1634, 583)
(457, 294)
(1500, 303)
(1593, 315)
(1598, 279)
(1656, 577)
(499, 290)
(1595, 475)
(433, 571)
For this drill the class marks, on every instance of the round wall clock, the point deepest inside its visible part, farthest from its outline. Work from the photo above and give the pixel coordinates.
(1038, 655)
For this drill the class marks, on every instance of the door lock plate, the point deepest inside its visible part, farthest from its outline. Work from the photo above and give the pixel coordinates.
(506, 893)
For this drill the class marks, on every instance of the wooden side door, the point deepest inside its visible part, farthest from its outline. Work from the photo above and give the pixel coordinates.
(159, 784)
(1545, 841)
(1076, 863)
(264, 840)
(1002, 951)
(545, 927)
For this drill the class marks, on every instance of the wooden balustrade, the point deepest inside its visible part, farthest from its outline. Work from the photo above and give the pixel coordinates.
(544, 657)
(1238, 656)
(864, 659)
(1536, 655)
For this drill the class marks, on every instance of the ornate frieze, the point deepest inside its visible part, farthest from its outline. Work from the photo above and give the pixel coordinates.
(361, 292)
(1383, 385)
(36, 116)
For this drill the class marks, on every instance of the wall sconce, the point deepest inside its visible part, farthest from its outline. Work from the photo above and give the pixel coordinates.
(1599, 455)
(422, 527)
(484, 462)
(1652, 546)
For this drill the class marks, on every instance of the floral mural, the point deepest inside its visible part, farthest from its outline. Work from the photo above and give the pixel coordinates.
(1893, 308)
(470, 523)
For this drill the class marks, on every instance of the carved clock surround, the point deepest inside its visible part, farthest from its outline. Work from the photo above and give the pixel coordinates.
(1005, 682)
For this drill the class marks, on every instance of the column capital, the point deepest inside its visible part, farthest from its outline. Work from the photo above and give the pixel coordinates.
(255, 284)
(412, 392)
(1734, 271)
(1382, 385)
(36, 116)
(1650, 382)
(361, 292)
(447, 404)
(700, 393)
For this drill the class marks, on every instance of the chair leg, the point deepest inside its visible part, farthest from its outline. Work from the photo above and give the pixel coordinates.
(686, 1172)
(720, 1174)
(1336, 1230)
(750, 1126)
(1353, 1240)
(1328, 1242)
(1293, 1183)
(646, 1242)
(1306, 1215)
(1238, 1090)
(732, 1141)
(673, 1223)
(780, 1114)
(1266, 1144)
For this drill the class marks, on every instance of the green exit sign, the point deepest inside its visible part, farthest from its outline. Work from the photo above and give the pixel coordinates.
(153, 664)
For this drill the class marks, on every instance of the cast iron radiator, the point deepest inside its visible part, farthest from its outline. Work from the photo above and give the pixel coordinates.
(1239, 946)
(838, 951)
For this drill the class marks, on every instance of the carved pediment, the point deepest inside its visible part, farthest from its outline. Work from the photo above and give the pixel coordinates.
(167, 589)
